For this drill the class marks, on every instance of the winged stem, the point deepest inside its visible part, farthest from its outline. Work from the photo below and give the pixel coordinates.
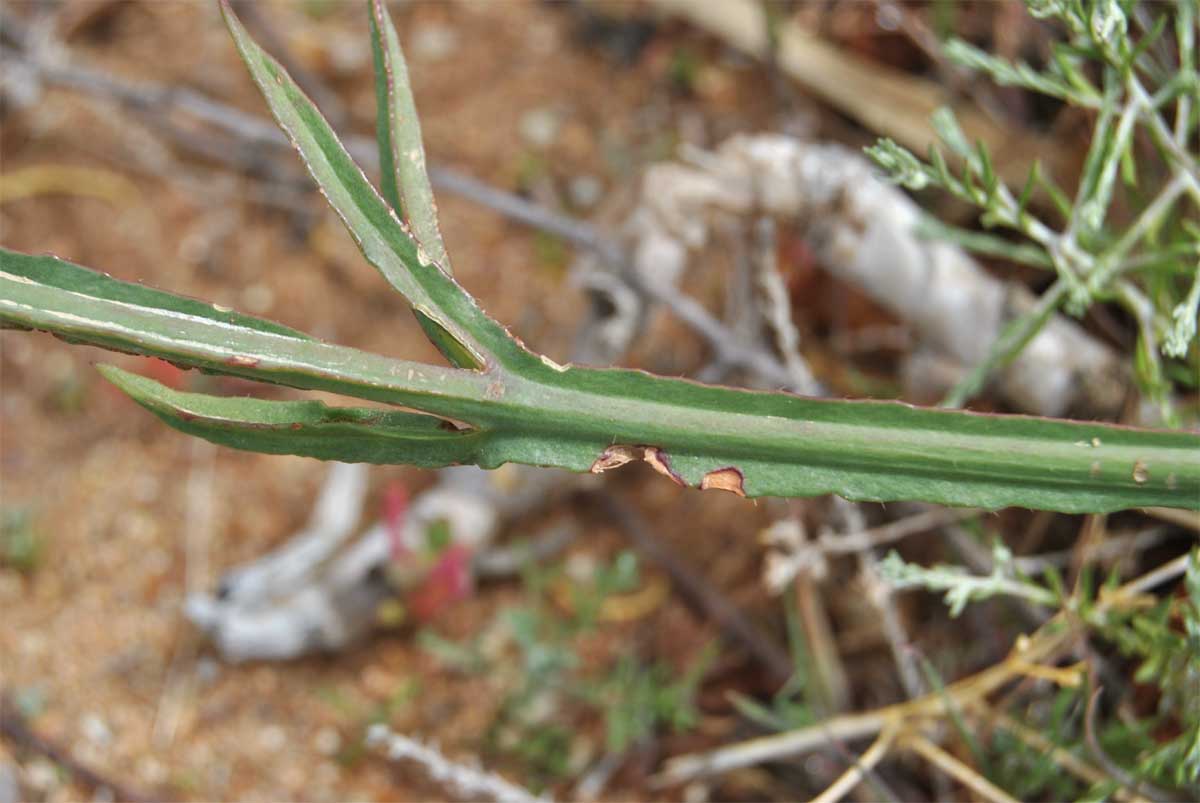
(509, 405)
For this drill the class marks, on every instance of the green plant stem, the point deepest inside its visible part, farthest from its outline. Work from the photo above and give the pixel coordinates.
(1110, 262)
(749, 442)
(1012, 339)
(506, 404)
(1180, 159)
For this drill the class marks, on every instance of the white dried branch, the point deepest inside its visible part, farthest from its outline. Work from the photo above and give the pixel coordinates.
(462, 779)
(864, 231)
(317, 593)
(790, 553)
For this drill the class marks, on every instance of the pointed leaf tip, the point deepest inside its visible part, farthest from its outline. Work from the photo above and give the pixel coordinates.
(307, 428)
(404, 180)
(407, 264)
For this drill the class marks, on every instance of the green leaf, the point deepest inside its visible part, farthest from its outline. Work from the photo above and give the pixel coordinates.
(980, 242)
(383, 239)
(306, 428)
(50, 271)
(1006, 73)
(82, 306)
(459, 355)
(945, 124)
(401, 150)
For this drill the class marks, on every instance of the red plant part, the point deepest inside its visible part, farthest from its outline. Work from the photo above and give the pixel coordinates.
(447, 582)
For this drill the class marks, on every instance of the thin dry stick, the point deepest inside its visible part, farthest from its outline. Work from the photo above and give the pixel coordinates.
(1114, 770)
(881, 597)
(1158, 576)
(15, 730)
(777, 307)
(879, 593)
(180, 682)
(1038, 647)
(956, 769)
(464, 779)
(1182, 518)
(1116, 546)
(851, 542)
(809, 556)
(1045, 642)
(833, 687)
(857, 773)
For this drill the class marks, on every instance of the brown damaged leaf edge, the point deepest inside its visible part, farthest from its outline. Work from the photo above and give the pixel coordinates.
(724, 479)
(614, 457)
(660, 461)
(619, 454)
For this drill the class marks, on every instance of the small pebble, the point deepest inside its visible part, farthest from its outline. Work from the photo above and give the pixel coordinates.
(207, 670)
(41, 775)
(146, 488)
(889, 18)
(433, 42)
(194, 247)
(272, 738)
(346, 53)
(327, 741)
(585, 191)
(379, 683)
(18, 349)
(580, 567)
(95, 730)
(258, 298)
(150, 771)
(540, 127)
(265, 680)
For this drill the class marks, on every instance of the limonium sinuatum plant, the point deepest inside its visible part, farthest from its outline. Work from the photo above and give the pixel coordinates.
(499, 402)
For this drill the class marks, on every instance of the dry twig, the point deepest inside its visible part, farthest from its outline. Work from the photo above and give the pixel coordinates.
(15, 729)
(1044, 643)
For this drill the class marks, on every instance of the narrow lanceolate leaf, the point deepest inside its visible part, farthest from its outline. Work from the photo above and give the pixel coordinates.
(405, 182)
(307, 428)
(381, 236)
(52, 272)
(80, 305)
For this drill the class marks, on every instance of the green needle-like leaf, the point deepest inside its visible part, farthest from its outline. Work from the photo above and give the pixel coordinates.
(404, 180)
(401, 151)
(307, 428)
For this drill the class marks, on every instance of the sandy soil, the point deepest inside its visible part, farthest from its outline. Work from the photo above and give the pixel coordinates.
(131, 515)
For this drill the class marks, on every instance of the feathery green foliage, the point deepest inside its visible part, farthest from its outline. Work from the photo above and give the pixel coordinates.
(1163, 639)
(1146, 119)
